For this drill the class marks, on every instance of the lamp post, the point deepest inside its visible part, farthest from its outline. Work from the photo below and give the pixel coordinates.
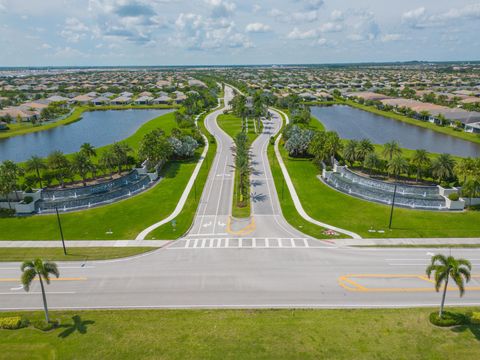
(61, 231)
(393, 205)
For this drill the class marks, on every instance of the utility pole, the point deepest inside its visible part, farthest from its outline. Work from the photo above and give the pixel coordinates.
(61, 231)
(393, 205)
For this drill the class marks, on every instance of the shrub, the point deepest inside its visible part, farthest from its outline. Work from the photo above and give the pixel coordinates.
(4, 213)
(448, 319)
(28, 190)
(27, 199)
(12, 322)
(475, 318)
(454, 196)
(44, 326)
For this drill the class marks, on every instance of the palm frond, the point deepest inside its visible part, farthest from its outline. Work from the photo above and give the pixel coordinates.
(27, 278)
(27, 264)
(460, 283)
(465, 263)
(51, 268)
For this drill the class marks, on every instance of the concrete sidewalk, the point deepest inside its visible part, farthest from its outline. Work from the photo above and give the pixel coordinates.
(83, 243)
(406, 241)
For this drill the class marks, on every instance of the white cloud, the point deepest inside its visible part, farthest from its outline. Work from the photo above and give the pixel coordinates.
(297, 34)
(415, 17)
(45, 46)
(391, 37)
(68, 52)
(331, 27)
(256, 8)
(74, 30)
(337, 15)
(257, 28)
(322, 41)
(221, 8)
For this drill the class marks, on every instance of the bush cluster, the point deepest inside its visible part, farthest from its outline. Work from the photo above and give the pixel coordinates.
(12, 322)
(4, 213)
(448, 319)
(44, 326)
(454, 196)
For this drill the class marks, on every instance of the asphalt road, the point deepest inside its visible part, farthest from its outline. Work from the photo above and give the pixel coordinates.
(263, 263)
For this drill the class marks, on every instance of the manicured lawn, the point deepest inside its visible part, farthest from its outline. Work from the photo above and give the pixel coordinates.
(73, 254)
(242, 334)
(335, 208)
(25, 128)
(232, 125)
(125, 219)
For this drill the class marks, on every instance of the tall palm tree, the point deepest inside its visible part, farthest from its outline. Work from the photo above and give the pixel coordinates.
(421, 161)
(121, 151)
(36, 163)
(12, 171)
(397, 165)
(108, 161)
(442, 167)
(60, 165)
(82, 165)
(350, 151)
(471, 189)
(42, 269)
(446, 268)
(333, 144)
(371, 161)
(88, 149)
(391, 149)
(465, 168)
(364, 148)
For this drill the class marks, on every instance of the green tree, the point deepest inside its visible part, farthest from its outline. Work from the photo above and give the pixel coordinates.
(442, 167)
(398, 165)
(11, 172)
(82, 165)
(471, 189)
(333, 144)
(465, 168)
(421, 161)
(36, 163)
(88, 149)
(108, 161)
(391, 149)
(121, 151)
(350, 151)
(445, 268)
(364, 148)
(372, 161)
(59, 164)
(42, 269)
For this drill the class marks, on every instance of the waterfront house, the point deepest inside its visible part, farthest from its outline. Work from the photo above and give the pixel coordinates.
(143, 100)
(101, 100)
(162, 99)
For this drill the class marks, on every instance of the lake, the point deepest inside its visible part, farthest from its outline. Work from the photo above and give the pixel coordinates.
(352, 123)
(98, 128)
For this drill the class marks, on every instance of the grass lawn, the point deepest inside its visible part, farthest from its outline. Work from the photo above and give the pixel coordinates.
(73, 254)
(185, 219)
(232, 125)
(425, 124)
(125, 219)
(242, 334)
(335, 208)
(25, 127)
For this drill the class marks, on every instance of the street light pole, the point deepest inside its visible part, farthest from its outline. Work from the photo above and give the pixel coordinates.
(393, 205)
(61, 231)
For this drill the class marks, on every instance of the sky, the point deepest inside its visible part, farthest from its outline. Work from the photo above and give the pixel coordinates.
(216, 32)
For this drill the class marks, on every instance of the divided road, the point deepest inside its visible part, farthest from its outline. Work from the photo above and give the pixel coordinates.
(221, 263)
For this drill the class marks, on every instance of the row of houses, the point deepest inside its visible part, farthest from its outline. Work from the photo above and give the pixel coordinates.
(470, 120)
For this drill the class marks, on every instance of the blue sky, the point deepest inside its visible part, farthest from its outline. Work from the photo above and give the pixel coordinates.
(177, 32)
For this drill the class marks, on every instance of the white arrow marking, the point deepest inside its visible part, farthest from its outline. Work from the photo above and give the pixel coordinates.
(17, 288)
(221, 224)
(207, 224)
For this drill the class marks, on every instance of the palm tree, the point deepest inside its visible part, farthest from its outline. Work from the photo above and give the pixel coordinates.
(333, 144)
(42, 269)
(88, 150)
(12, 171)
(60, 165)
(82, 165)
(446, 268)
(364, 148)
(443, 166)
(397, 165)
(471, 189)
(121, 151)
(108, 161)
(371, 161)
(36, 163)
(424, 115)
(465, 168)
(421, 161)
(350, 151)
(391, 149)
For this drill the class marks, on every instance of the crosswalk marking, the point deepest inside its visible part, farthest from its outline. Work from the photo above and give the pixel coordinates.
(247, 243)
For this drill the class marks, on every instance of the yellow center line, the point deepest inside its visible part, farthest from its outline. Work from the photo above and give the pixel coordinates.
(59, 279)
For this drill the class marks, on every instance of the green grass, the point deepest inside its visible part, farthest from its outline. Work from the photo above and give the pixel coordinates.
(242, 334)
(73, 254)
(232, 125)
(425, 124)
(338, 209)
(125, 218)
(185, 219)
(25, 128)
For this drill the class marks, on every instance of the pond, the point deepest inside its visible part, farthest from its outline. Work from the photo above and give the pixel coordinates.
(98, 128)
(352, 123)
